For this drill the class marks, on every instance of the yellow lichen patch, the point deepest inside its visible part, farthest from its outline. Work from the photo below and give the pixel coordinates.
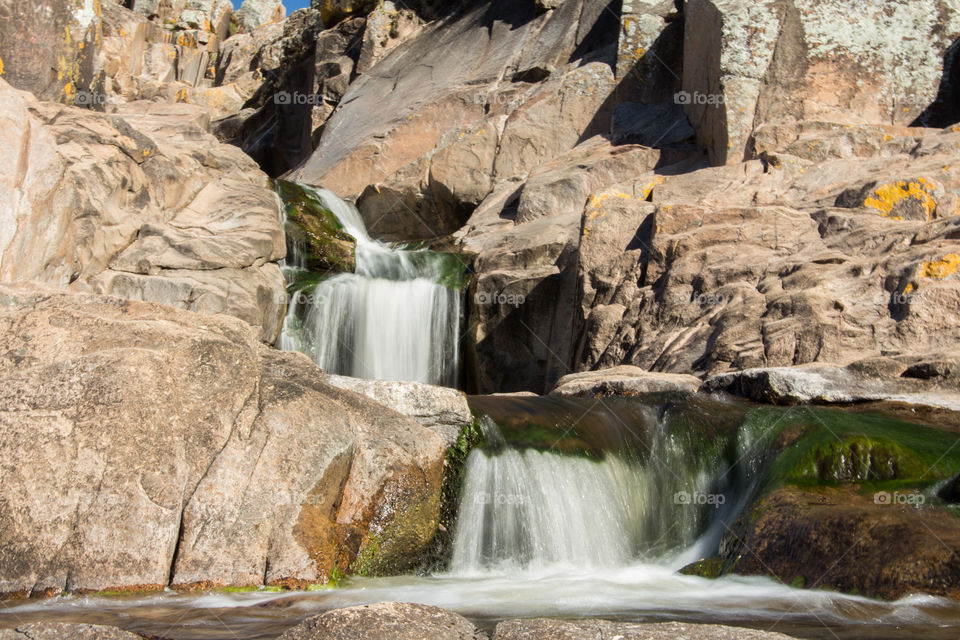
(1, 66)
(647, 189)
(596, 200)
(182, 96)
(910, 287)
(886, 197)
(940, 269)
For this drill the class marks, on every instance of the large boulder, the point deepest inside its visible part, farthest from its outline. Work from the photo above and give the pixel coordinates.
(887, 545)
(525, 240)
(622, 381)
(845, 254)
(750, 62)
(386, 621)
(157, 447)
(142, 204)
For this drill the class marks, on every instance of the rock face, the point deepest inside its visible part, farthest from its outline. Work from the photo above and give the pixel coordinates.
(157, 447)
(841, 540)
(838, 247)
(421, 144)
(545, 629)
(49, 47)
(749, 63)
(831, 239)
(63, 631)
(386, 621)
(622, 381)
(142, 204)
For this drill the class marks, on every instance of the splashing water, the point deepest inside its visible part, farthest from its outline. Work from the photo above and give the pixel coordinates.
(392, 319)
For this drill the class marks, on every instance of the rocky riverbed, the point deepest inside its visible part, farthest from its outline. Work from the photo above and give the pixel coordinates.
(666, 236)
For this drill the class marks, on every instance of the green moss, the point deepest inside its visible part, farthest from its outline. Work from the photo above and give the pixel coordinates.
(707, 568)
(312, 226)
(449, 269)
(367, 560)
(873, 450)
(248, 589)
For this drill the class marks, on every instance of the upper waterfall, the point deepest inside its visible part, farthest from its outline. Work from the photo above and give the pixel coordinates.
(394, 318)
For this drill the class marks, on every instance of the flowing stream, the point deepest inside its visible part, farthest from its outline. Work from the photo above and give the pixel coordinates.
(569, 508)
(392, 319)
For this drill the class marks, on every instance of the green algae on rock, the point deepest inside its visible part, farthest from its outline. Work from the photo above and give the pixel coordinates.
(312, 226)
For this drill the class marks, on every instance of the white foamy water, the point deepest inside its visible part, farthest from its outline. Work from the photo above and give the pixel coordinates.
(389, 320)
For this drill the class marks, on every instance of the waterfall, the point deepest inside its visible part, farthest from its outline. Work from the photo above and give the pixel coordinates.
(392, 319)
(527, 509)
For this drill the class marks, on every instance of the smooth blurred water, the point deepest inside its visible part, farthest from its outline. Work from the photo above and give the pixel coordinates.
(392, 319)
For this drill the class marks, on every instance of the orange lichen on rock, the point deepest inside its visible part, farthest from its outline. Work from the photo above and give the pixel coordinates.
(891, 198)
(940, 269)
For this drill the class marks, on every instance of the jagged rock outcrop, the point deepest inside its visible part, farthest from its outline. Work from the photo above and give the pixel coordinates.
(827, 261)
(256, 13)
(49, 47)
(421, 144)
(158, 447)
(142, 204)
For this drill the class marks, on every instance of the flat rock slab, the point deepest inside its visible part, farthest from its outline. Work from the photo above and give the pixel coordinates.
(442, 410)
(622, 380)
(386, 621)
(545, 629)
(66, 631)
(828, 385)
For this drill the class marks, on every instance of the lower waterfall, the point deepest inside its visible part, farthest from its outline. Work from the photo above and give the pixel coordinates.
(394, 318)
(527, 509)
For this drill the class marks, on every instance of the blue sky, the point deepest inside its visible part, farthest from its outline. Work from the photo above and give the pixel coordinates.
(291, 5)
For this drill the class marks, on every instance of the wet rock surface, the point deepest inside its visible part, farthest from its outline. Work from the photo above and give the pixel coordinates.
(386, 621)
(545, 629)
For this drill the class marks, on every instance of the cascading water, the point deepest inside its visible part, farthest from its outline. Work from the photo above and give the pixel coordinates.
(573, 509)
(394, 318)
(539, 510)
